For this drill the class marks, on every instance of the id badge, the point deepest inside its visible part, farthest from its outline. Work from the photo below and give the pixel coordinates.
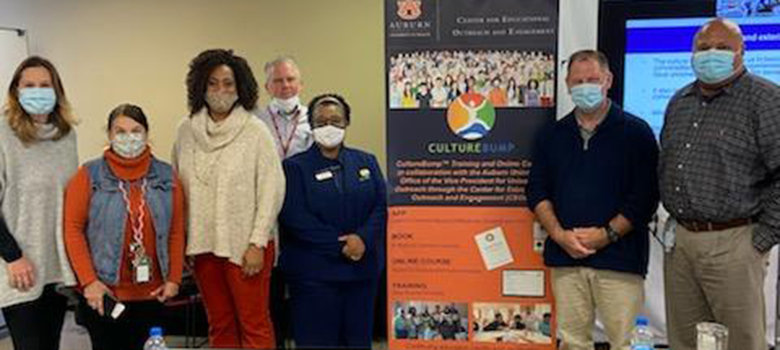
(323, 175)
(669, 234)
(142, 272)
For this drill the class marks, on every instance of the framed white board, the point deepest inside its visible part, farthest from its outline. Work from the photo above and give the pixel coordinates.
(13, 49)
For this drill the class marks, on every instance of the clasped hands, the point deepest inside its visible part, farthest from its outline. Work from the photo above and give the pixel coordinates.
(581, 242)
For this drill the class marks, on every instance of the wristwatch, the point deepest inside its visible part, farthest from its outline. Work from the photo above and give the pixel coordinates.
(612, 235)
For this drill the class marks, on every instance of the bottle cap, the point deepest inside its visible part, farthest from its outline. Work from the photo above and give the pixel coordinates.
(155, 331)
(641, 321)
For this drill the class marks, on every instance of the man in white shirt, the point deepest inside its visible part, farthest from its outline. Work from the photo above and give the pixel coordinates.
(287, 120)
(285, 115)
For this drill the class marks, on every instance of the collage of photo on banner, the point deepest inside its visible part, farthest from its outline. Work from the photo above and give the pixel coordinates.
(468, 84)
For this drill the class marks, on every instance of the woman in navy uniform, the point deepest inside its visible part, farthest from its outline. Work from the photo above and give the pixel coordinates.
(333, 227)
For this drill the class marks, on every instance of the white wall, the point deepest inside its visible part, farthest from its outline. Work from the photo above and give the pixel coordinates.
(578, 23)
(114, 51)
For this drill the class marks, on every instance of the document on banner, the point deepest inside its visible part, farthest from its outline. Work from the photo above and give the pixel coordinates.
(494, 248)
(522, 283)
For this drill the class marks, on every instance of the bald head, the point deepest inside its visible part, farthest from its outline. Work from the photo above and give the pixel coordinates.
(720, 34)
(720, 24)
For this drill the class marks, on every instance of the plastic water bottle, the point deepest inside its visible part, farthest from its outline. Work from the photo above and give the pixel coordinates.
(641, 337)
(156, 340)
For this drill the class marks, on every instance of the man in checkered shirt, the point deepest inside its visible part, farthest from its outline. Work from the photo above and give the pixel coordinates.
(719, 171)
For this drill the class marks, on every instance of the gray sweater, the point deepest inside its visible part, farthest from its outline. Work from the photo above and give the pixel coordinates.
(32, 187)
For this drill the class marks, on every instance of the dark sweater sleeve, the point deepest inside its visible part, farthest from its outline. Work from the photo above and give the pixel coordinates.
(9, 249)
(540, 177)
(640, 199)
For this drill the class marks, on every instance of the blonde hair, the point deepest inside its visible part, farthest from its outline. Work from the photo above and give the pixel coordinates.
(20, 121)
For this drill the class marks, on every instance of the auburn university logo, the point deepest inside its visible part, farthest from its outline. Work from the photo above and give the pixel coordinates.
(409, 9)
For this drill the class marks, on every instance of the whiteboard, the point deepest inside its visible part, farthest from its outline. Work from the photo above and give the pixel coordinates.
(14, 50)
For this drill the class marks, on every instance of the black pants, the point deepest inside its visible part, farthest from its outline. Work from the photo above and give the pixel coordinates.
(279, 308)
(37, 324)
(129, 331)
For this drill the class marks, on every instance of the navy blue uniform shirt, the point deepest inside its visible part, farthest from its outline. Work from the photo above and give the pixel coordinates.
(616, 174)
(328, 198)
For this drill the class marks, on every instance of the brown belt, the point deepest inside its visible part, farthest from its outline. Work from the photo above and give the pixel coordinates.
(700, 226)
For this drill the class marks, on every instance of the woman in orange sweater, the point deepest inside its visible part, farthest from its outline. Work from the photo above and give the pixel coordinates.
(124, 233)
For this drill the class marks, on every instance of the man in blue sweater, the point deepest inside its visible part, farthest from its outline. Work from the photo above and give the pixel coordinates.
(594, 188)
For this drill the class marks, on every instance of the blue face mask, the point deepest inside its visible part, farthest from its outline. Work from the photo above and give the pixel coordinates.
(37, 100)
(713, 66)
(587, 96)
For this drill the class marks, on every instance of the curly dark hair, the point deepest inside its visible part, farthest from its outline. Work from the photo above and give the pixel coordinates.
(318, 100)
(205, 63)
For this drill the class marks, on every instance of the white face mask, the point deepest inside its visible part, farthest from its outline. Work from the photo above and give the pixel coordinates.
(285, 106)
(129, 145)
(221, 102)
(329, 136)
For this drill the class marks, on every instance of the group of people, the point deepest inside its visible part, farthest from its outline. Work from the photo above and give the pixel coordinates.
(598, 175)
(748, 8)
(517, 321)
(245, 184)
(446, 324)
(261, 181)
(433, 79)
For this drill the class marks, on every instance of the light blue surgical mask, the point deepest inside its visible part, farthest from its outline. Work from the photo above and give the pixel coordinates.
(37, 100)
(713, 66)
(587, 96)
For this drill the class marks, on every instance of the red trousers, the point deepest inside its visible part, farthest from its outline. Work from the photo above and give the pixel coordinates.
(236, 306)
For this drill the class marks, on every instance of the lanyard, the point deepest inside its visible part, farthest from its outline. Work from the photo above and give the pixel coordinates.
(285, 145)
(137, 223)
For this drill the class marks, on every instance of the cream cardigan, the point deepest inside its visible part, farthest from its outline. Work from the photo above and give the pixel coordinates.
(233, 181)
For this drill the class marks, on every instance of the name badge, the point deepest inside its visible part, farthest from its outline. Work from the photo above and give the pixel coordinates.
(364, 174)
(143, 271)
(323, 175)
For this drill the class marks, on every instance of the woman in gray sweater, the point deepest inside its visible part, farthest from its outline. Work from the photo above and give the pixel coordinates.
(37, 157)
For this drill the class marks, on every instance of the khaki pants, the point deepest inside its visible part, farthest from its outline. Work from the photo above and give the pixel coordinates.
(715, 276)
(581, 292)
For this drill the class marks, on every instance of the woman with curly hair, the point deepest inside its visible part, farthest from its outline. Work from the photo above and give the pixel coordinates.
(37, 157)
(234, 186)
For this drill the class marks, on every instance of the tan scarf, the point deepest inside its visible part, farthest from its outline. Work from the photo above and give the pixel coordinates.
(212, 137)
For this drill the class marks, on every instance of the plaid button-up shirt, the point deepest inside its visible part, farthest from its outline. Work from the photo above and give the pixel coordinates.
(720, 156)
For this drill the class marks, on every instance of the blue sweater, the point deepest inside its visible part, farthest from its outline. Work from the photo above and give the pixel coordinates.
(616, 174)
(326, 199)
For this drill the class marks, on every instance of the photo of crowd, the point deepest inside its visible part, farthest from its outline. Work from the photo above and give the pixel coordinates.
(424, 320)
(748, 8)
(512, 323)
(433, 79)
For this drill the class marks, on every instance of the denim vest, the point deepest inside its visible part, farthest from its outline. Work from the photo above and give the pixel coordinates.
(108, 217)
